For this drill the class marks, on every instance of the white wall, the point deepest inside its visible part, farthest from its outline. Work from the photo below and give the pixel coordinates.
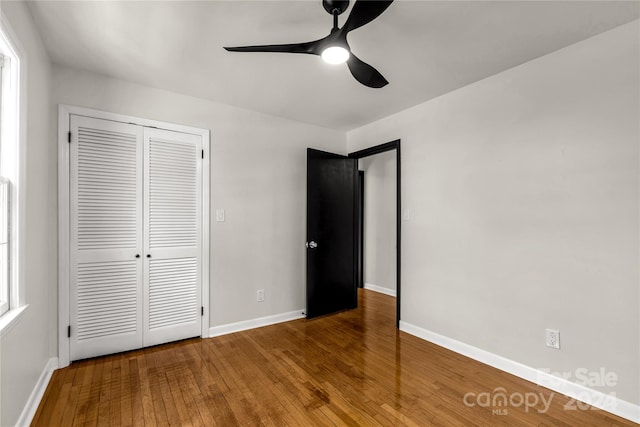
(380, 220)
(258, 175)
(25, 349)
(524, 189)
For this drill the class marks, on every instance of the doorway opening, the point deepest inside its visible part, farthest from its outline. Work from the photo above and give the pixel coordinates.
(361, 249)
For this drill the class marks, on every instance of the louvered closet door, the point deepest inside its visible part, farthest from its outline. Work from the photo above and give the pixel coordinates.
(172, 238)
(106, 235)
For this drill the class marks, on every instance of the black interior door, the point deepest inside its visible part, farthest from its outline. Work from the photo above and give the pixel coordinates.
(331, 243)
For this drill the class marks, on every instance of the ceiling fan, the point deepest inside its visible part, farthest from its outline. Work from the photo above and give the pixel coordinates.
(334, 48)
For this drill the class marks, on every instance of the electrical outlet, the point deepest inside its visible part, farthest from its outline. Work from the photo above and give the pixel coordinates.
(553, 338)
(260, 295)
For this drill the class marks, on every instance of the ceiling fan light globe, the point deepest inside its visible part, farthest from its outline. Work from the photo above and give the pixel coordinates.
(335, 55)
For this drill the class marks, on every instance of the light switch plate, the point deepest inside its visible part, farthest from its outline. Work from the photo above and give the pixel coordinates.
(220, 215)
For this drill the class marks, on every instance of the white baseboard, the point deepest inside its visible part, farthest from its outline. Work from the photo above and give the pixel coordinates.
(382, 290)
(568, 388)
(230, 328)
(38, 391)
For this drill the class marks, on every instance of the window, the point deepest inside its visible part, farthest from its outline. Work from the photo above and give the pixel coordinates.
(9, 170)
(4, 245)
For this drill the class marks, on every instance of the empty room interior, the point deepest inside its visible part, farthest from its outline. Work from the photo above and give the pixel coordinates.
(319, 212)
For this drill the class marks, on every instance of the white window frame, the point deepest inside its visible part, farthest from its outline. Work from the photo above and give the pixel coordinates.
(13, 166)
(64, 113)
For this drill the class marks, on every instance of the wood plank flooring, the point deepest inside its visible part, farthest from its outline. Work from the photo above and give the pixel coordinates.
(349, 369)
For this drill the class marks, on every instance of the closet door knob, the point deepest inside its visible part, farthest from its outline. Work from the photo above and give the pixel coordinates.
(148, 255)
(137, 255)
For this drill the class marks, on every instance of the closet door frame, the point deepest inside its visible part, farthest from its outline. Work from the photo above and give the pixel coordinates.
(64, 226)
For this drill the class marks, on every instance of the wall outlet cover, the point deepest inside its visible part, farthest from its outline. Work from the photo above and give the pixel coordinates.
(552, 338)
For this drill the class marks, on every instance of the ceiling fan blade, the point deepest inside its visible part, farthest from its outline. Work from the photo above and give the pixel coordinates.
(363, 12)
(308, 47)
(365, 73)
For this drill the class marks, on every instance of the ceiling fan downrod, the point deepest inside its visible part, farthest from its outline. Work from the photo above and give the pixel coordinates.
(336, 12)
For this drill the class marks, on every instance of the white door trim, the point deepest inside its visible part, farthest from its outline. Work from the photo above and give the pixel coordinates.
(64, 113)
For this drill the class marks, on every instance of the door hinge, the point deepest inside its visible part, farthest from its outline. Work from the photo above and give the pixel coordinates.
(69, 137)
(202, 311)
(203, 154)
(69, 331)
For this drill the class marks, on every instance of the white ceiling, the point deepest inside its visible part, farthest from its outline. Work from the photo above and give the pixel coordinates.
(424, 48)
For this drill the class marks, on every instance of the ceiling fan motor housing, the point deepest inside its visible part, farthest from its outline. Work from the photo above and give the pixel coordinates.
(335, 5)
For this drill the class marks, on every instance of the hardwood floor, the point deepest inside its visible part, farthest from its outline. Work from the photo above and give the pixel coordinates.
(352, 369)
